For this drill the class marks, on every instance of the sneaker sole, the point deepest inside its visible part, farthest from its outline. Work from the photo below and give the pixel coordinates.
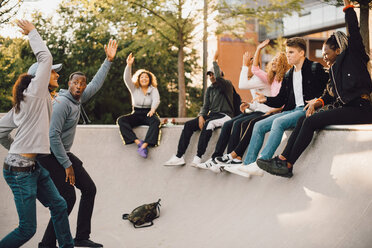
(237, 172)
(174, 164)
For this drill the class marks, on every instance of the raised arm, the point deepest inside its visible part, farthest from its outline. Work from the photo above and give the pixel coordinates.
(101, 74)
(252, 83)
(355, 41)
(128, 73)
(39, 84)
(216, 68)
(257, 54)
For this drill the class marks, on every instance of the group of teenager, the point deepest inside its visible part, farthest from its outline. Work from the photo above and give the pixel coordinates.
(40, 165)
(295, 93)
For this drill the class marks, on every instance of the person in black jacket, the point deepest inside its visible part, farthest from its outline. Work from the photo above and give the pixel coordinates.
(349, 88)
(305, 81)
(216, 110)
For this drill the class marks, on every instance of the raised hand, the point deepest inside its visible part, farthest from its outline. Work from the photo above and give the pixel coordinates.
(215, 58)
(247, 57)
(26, 26)
(130, 59)
(263, 44)
(110, 50)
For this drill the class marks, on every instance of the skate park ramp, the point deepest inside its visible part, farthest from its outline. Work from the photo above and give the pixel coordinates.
(326, 204)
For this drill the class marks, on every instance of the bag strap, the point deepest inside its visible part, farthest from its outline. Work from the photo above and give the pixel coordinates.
(142, 226)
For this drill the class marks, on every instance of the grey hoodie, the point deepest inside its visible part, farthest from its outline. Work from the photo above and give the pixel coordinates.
(66, 114)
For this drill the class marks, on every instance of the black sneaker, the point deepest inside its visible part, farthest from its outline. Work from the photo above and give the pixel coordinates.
(225, 159)
(41, 245)
(86, 243)
(275, 166)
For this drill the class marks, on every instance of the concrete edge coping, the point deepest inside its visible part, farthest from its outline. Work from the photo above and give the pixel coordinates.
(364, 127)
(180, 121)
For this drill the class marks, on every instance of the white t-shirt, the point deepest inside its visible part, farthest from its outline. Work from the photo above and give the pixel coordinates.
(297, 88)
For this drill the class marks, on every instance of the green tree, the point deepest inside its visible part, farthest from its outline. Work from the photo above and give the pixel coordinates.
(12, 64)
(365, 6)
(159, 21)
(233, 16)
(8, 8)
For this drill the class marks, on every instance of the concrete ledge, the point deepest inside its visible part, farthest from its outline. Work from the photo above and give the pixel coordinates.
(326, 204)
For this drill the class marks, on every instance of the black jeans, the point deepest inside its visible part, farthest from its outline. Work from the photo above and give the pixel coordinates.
(88, 192)
(190, 127)
(245, 138)
(305, 127)
(231, 132)
(137, 118)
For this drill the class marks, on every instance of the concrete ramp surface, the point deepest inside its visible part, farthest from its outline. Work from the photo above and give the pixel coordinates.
(326, 204)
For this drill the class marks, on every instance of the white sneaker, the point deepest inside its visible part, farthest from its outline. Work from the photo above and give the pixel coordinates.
(212, 165)
(196, 161)
(174, 160)
(206, 165)
(235, 170)
(252, 169)
(216, 168)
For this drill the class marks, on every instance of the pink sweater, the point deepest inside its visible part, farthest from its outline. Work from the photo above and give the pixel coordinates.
(275, 86)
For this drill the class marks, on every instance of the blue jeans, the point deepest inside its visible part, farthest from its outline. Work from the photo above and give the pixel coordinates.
(276, 124)
(26, 187)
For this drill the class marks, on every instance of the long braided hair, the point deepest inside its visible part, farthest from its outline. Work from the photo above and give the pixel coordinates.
(20, 85)
(337, 40)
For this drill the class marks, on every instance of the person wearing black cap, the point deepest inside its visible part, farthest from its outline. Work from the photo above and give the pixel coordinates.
(30, 115)
(215, 111)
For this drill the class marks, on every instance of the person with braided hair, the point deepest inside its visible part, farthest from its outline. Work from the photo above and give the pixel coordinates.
(349, 88)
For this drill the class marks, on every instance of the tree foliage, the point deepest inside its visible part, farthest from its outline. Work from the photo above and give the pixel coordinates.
(152, 22)
(365, 6)
(76, 39)
(8, 8)
(233, 16)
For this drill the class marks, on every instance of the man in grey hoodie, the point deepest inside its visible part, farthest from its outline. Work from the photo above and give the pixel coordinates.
(66, 170)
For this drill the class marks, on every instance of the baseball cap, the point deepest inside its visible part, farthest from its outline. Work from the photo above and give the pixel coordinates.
(211, 70)
(32, 70)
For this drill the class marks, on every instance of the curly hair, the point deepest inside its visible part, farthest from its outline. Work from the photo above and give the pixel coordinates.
(20, 85)
(282, 68)
(137, 75)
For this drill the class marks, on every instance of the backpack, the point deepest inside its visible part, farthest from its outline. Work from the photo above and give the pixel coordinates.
(237, 101)
(144, 214)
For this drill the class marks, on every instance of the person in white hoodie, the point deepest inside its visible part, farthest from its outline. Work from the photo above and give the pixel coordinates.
(231, 129)
(30, 115)
(272, 79)
(145, 101)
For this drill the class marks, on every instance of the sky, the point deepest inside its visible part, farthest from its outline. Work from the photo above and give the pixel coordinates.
(47, 7)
